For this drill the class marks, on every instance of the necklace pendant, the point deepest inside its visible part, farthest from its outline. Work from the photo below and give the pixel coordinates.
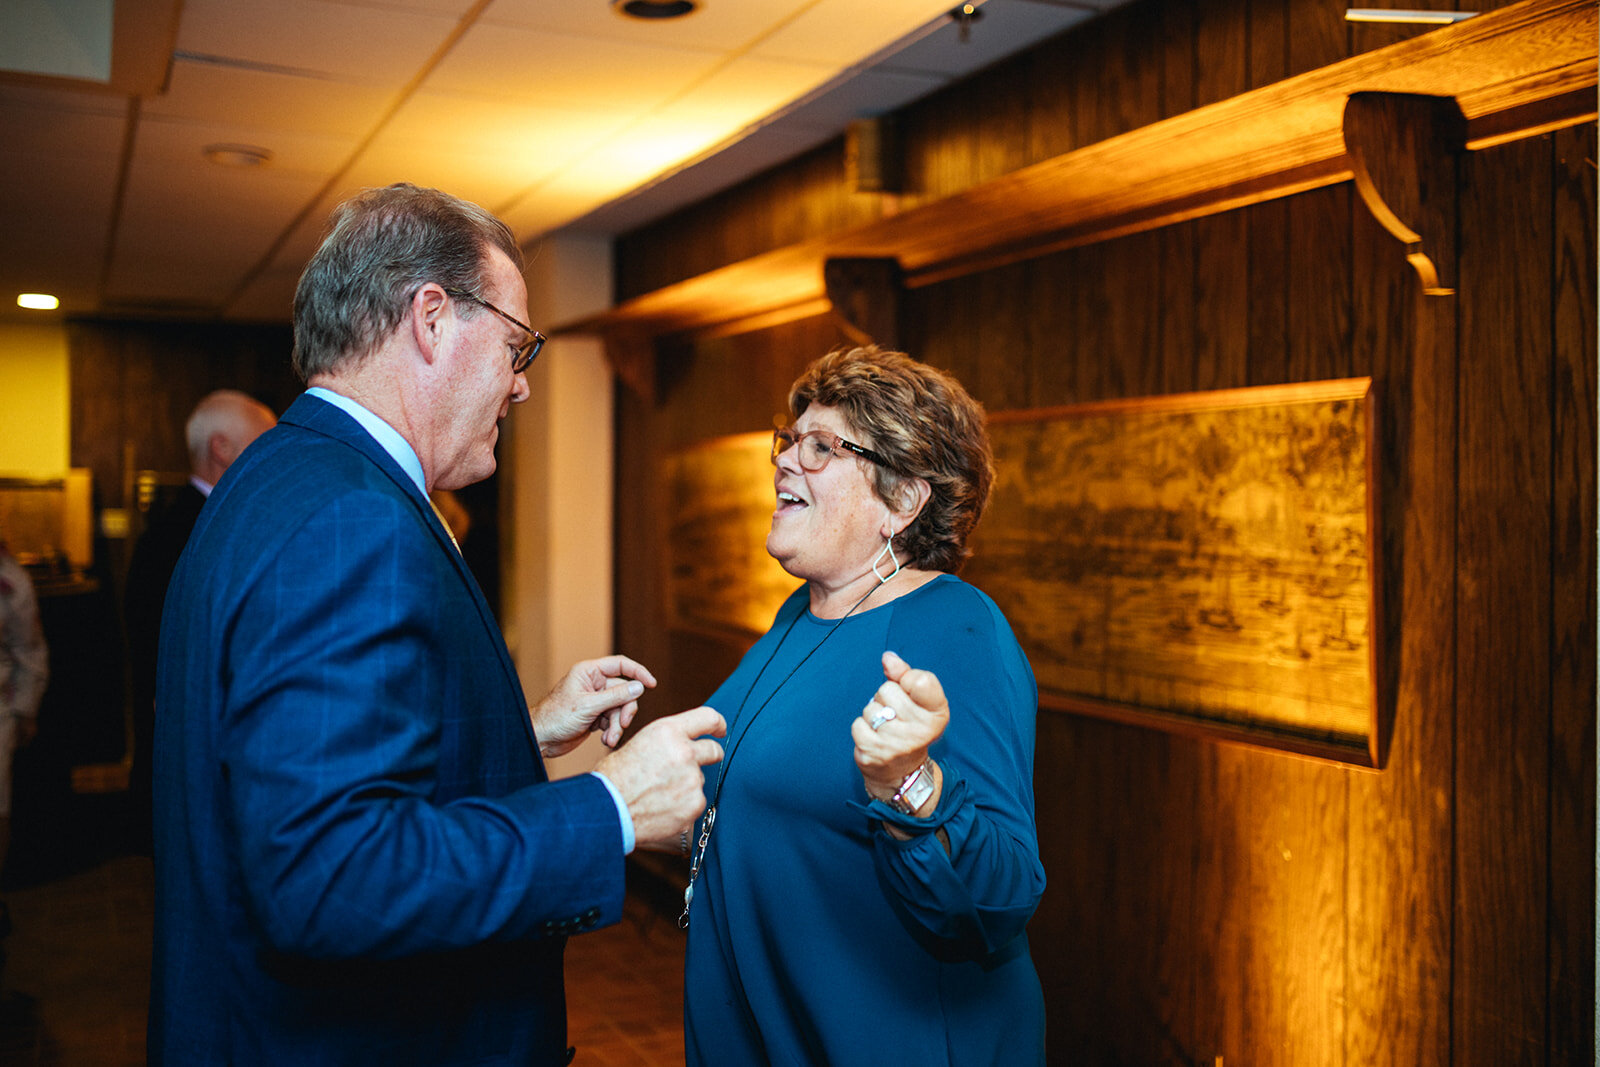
(688, 898)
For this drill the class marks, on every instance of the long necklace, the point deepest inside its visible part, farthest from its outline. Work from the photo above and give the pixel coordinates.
(722, 773)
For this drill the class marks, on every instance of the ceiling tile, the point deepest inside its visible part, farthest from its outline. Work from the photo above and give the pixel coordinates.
(484, 150)
(532, 67)
(179, 147)
(743, 92)
(721, 25)
(371, 45)
(844, 32)
(268, 101)
(177, 203)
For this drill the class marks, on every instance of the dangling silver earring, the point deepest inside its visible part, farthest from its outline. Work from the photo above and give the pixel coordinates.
(888, 549)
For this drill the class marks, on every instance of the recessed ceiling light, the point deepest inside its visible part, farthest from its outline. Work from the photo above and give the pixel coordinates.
(1424, 18)
(655, 9)
(237, 155)
(37, 301)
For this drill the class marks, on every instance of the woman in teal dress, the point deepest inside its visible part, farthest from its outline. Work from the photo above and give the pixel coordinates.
(868, 862)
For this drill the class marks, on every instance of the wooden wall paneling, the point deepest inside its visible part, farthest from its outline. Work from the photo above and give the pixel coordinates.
(1114, 806)
(1222, 280)
(1267, 24)
(1270, 901)
(1572, 697)
(1064, 808)
(1399, 918)
(1125, 359)
(1503, 608)
(1318, 34)
(1002, 349)
(1180, 312)
(936, 324)
(790, 348)
(638, 598)
(866, 295)
(1001, 130)
(1131, 81)
(96, 371)
(1222, 51)
(940, 151)
(1053, 92)
(1053, 283)
(1320, 280)
(1094, 337)
(1180, 75)
(1319, 222)
(1268, 250)
(1223, 299)
(1178, 55)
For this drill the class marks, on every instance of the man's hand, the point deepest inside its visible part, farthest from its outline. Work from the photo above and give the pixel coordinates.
(597, 696)
(658, 774)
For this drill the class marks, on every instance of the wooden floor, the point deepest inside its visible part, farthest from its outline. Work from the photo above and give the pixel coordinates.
(80, 957)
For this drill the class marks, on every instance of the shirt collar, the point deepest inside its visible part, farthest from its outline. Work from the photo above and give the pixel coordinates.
(387, 436)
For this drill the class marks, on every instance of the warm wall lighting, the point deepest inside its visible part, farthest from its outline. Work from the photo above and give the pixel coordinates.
(1425, 18)
(37, 301)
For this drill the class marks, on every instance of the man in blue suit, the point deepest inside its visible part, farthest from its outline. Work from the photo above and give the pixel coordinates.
(359, 856)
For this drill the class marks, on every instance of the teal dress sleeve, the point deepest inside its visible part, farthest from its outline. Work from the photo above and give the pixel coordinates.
(971, 901)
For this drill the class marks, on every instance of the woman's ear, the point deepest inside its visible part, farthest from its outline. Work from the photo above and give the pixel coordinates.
(910, 499)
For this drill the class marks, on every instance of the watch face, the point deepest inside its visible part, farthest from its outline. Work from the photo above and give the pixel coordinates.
(914, 793)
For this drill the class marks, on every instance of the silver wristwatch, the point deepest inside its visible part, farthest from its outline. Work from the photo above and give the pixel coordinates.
(915, 789)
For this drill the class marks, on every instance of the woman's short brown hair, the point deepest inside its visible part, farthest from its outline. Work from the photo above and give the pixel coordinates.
(927, 426)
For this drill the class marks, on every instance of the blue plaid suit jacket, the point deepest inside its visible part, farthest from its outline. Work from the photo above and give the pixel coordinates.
(359, 858)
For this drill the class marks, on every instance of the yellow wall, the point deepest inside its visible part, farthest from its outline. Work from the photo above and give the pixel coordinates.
(34, 418)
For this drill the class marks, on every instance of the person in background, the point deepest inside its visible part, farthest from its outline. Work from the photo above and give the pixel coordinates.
(868, 862)
(221, 426)
(24, 672)
(359, 857)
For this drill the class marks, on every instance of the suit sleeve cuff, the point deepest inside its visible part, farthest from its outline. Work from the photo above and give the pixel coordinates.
(622, 812)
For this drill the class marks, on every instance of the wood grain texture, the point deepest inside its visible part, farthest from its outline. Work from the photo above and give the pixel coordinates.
(1572, 674)
(1283, 137)
(1271, 900)
(1440, 911)
(1503, 610)
(1399, 918)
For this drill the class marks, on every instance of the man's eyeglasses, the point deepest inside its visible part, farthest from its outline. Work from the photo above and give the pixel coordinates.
(522, 354)
(817, 447)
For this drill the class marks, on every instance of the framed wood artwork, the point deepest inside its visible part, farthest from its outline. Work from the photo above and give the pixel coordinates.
(1202, 563)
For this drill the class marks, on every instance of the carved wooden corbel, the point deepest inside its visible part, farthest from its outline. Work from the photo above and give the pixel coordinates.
(1403, 148)
(865, 294)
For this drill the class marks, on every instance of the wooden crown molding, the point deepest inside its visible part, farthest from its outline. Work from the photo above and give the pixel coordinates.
(1512, 73)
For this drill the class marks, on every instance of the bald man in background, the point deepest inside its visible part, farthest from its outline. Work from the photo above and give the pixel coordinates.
(221, 426)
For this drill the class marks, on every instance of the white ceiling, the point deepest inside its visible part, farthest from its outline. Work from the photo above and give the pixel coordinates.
(556, 114)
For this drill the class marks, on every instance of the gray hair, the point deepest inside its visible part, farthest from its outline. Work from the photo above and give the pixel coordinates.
(383, 245)
(237, 416)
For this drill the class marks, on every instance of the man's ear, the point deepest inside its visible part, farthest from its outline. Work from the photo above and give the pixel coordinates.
(427, 318)
(221, 449)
